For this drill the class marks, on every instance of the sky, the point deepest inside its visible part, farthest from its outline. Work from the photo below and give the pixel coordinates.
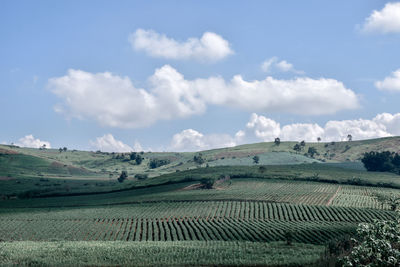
(192, 75)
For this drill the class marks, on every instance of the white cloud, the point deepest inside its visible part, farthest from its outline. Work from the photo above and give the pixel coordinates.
(107, 143)
(114, 101)
(273, 64)
(265, 129)
(30, 141)
(210, 47)
(390, 83)
(192, 140)
(386, 20)
(382, 125)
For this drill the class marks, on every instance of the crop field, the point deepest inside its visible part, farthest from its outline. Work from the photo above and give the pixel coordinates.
(156, 253)
(296, 192)
(66, 208)
(183, 221)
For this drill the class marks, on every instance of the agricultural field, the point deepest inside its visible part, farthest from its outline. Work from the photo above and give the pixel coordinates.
(67, 203)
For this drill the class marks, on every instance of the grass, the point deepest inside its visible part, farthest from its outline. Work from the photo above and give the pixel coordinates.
(66, 253)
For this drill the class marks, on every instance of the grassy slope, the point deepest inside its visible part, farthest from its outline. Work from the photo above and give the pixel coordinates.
(52, 163)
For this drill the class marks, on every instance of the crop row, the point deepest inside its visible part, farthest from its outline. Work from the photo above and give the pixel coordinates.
(175, 229)
(239, 210)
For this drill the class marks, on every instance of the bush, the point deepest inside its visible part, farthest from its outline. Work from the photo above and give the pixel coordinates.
(378, 244)
(198, 159)
(123, 176)
(256, 159)
(207, 183)
(155, 163)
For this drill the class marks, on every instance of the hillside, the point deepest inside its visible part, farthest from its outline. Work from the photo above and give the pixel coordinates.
(51, 162)
(70, 203)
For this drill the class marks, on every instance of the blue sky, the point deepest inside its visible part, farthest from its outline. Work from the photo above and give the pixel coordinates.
(79, 73)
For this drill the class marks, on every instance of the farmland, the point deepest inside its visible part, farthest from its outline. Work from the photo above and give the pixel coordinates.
(68, 204)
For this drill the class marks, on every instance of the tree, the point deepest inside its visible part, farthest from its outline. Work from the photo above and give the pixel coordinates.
(65, 149)
(384, 161)
(256, 159)
(303, 143)
(207, 183)
(297, 148)
(199, 159)
(132, 156)
(319, 139)
(312, 151)
(349, 137)
(138, 160)
(277, 141)
(60, 150)
(123, 176)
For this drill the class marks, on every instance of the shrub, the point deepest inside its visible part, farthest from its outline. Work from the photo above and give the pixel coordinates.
(198, 159)
(207, 183)
(123, 176)
(141, 176)
(378, 244)
(155, 163)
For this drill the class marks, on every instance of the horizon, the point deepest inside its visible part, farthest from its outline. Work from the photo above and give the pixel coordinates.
(190, 76)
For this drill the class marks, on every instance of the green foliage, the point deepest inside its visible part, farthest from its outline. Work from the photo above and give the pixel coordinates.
(138, 160)
(156, 253)
(385, 161)
(207, 183)
(199, 159)
(155, 163)
(123, 176)
(297, 148)
(377, 244)
(132, 156)
(312, 151)
(256, 159)
(277, 141)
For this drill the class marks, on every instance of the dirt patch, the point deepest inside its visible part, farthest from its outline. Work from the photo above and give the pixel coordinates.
(4, 178)
(56, 164)
(191, 187)
(7, 151)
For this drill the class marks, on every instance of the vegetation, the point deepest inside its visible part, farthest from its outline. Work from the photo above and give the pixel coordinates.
(385, 161)
(155, 163)
(212, 207)
(199, 159)
(172, 253)
(123, 176)
(377, 244)
(256, 159)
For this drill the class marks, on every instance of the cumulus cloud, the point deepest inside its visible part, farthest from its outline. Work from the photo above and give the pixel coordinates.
(265, 129)
(382, 125)
(192, 140)
(30, 141)
(210, 47)
(107, 143)
(390, 83)
(114, 101)
(274, 64)
(386, 20)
